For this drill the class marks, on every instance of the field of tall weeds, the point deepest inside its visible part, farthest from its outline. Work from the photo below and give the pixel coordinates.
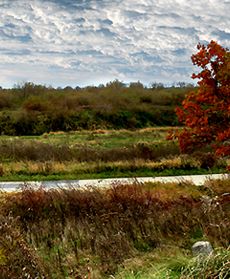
(90, 233)
(101, 153)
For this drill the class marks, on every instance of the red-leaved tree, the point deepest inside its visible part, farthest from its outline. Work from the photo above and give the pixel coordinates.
(206, 112)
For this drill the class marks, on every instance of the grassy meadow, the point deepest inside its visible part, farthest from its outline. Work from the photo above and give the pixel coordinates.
(112, 130)
(100, 154)
(139, 231)
(124, 232)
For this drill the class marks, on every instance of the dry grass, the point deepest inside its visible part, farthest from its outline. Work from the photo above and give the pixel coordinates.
(74, 167)
(73, 232)
(101, 152)
(88, 150)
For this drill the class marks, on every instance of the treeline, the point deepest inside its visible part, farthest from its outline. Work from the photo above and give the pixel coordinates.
(32, 109)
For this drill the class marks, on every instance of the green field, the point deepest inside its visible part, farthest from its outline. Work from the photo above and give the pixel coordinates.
(100, 154)
(100, 138)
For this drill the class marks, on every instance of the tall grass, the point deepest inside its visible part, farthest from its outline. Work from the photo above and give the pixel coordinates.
(177, 264)
(20, 150)
(216, 265)
(52, 170)
(73, 233)
(100, 153)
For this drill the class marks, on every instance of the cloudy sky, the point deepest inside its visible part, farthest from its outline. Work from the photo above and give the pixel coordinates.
(89, 42)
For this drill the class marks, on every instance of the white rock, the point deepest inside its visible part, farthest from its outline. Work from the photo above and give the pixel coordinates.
(202, 248)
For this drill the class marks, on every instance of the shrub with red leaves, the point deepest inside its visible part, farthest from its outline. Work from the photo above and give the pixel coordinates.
(206, 112)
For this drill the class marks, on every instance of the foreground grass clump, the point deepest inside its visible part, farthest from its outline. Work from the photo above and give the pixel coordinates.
(172, 263)
(216, 265)
(73, 233)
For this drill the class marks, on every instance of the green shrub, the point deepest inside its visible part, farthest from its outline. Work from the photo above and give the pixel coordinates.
(33, 109)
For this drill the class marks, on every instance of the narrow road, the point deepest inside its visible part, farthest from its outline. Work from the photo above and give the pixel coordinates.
(195, 179)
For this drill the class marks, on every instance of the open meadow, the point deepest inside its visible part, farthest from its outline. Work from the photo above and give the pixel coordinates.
(125, 232)
(100, 154)
(138, 231)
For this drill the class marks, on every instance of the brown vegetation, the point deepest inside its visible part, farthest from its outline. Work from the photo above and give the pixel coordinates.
(71, 233)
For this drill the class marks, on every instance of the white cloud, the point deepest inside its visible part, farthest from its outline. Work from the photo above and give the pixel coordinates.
(79, 41)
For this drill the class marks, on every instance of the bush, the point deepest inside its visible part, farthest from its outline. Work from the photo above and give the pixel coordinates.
(207, 159)
(33, 109)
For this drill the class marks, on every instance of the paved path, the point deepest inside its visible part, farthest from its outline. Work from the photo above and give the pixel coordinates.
(196, 179)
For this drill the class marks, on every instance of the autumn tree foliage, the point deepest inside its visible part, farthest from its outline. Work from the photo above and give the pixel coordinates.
(206, 112)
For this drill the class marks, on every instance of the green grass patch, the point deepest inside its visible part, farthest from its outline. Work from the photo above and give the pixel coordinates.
(102, 138)
(170, 262)
(100, 174)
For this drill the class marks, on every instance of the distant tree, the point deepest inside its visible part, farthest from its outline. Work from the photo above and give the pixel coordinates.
(91, 88)
(77, 88)
(206, 112)
(116, 84)
(156, 85)
(29, 88)
(68, 88)
(137, 84)
(183, 84)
